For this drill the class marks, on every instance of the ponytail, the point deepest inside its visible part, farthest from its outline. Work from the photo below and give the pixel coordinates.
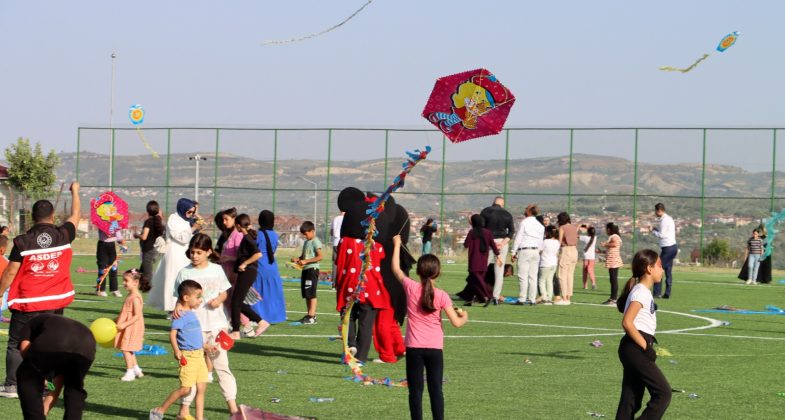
(625, 293)
(244, 221)
(592, 236)
(642, 260)
(428, 268)
(426, 299)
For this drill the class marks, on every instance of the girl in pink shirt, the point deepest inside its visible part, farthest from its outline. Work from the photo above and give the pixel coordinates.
(424, 336)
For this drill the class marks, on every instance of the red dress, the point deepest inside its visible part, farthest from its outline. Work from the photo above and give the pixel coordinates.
(347, 269)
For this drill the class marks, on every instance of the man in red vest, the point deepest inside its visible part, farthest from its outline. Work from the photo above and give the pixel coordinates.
(39, 277)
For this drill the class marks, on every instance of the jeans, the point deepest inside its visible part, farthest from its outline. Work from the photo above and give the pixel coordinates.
(426, 247)
(753, 264)
(528, 262)
(432, 360)
(667, 254)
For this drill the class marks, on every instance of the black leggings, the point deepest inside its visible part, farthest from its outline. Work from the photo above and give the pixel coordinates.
(641, 371)
(433, 362)
(614, 275)
(106, 255)
(30, 382)
(243, 284)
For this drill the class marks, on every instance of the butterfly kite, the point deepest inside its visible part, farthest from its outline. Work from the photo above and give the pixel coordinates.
(724, 44)
(136, 115)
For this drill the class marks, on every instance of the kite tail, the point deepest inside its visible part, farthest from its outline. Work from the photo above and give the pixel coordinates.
(771, 233)
(685, 70)
(145, 143)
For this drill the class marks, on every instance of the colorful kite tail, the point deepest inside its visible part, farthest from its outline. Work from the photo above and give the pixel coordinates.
(145, 143)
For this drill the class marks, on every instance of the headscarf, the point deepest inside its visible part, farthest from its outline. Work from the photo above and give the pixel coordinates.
(183, 205)
(478, 223)
(267, 222)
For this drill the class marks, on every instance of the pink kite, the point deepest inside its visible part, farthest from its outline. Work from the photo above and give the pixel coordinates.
(469, 105)
(108, 212)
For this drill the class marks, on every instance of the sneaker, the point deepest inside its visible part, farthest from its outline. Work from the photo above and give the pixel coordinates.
(247, 329)
(138, 372)
(593, 287)
(8, 391)
(156, 415)
(378, 361)
(129, 376)
(117, 293)
(210, 378)
(561, 302)
(101, 293)
(610, 302)
(308, 320)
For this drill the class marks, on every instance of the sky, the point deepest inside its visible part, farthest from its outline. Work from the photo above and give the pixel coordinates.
(570, 64)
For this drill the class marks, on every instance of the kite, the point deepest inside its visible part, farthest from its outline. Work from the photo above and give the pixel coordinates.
(469, 105)
(315, 34)
(108, 212)
(374, 209)
(771, 232)
(724, 44)
(136, 115)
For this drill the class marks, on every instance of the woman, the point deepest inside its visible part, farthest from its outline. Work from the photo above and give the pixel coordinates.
(427, 232)
(152, 229)
(178, 234)
(479, 241)
(272, 307)
(613, 260)
(568, 256)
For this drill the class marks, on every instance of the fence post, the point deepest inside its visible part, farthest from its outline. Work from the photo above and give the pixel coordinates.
(111, 166)
(635, 194)
(569, 175)
(215, 175)
(327, 189)
(275, 165)
(441, 194)
(703, 197)
(773, 167)
(78, 148)
(386, 145)
(168, 155)
(506, 161)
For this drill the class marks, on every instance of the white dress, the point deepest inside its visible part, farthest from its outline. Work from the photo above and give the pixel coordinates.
(178, 235)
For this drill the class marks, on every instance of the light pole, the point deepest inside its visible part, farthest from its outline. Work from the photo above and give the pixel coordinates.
(197, 157)
(111, 126)
(315, 196)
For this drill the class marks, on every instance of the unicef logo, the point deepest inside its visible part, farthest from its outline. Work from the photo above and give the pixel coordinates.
(44, 240)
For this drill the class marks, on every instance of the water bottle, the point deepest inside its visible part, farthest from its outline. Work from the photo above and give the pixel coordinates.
(321, 399)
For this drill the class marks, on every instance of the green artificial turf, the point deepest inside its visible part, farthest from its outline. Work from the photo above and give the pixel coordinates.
(736, 369)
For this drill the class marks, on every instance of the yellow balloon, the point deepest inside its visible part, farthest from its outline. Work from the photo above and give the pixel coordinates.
(107, 344)
(104, 330)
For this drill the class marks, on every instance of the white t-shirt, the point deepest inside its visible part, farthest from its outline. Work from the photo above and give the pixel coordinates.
(549, 255)
(646, 320)
(588, 254)
(335, 238)
(213, 281)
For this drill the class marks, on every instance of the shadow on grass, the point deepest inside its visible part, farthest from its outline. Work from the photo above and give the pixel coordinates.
(114, 411)
(554, 354)
(289, 353)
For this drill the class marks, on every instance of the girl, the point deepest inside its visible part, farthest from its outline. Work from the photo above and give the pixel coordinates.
(636, 351)
(424, 336)
(479, 241)
(229, 249)
(427, 231)
(590, 241)
(272, 307)
(568, 256)
(612, 260)
(130, 323)
(549, 260)
(212, 318)
(753, 255)
(247, 266)
(153, 228)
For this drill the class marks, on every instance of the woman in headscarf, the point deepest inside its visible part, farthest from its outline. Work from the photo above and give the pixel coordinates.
(178, 234)
(272, 307)
(479, 242)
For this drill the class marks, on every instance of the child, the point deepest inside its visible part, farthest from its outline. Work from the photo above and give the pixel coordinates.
(754, 252)
(424, 336)
(612, 260)
(636, 351)
(212, 318)
(3, 265)
(549, 261)
(188, 347)
(309, 260)
(106, 259)
(247, 266)
(130, 323)
(589, 239)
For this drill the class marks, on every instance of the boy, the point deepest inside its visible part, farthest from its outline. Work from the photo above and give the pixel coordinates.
(186, 339)
(309, 260)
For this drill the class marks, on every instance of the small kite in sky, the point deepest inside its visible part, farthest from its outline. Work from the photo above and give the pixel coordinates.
(136, 115)
(724, 44)
(315, 34)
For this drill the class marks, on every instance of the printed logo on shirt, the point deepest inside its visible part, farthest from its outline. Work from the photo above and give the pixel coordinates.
(44, 240)
(53, 265)
(37, 266)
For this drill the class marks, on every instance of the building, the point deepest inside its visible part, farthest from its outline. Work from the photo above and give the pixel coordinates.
(6, 199)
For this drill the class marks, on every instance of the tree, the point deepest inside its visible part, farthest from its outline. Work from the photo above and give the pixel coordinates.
(716, 251)
(29, 171)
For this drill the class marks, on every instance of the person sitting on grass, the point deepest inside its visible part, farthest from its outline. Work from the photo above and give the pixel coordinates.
(188, 348)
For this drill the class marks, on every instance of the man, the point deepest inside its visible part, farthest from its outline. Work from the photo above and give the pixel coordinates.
(668, 248)
(39, 277)
(499, 221)
(62, 347)
(526, 250)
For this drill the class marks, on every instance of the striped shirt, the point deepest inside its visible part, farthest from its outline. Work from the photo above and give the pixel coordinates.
(755, 246)
(613, 255)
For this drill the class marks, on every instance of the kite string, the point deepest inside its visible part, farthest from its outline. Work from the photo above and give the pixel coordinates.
(685, 70)
(315, 34)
